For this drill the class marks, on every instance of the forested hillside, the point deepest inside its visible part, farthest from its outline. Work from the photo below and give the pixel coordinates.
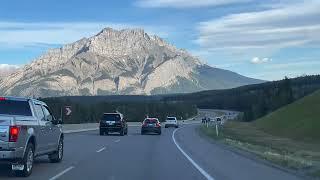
(88, 109)
(256, 100)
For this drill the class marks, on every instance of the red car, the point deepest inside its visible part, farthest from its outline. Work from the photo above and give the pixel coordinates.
(151, 125)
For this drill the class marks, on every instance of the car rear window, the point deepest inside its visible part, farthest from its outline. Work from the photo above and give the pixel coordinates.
(17, 108)
(171, 118)
(111, 117)
(150, 121)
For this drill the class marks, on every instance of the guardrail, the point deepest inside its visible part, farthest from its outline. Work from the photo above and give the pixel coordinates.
(72, 128)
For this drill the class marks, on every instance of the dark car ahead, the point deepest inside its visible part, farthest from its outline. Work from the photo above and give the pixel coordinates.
(151, 125)
(113, 122)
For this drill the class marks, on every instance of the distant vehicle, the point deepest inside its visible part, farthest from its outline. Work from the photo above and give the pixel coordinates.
(151, 125)
(171, 122)
(27, 130)
(113, 122)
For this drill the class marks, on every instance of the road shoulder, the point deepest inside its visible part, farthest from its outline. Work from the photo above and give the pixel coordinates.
(222, 163)
(246, 154)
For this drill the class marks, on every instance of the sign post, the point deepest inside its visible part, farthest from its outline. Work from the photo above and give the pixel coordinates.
(68, 110)
(217, 129)
(65, 111)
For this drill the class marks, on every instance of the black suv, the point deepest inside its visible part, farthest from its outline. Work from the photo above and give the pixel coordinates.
(113, 122)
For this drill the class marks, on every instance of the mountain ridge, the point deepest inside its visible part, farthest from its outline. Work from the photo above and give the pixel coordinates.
(127, 61)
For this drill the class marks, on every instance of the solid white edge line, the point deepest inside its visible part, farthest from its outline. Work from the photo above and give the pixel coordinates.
(203, 172)
(62, 173)
(101, 149)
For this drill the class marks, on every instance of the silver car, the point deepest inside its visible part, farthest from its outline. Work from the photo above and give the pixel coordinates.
(27, 130)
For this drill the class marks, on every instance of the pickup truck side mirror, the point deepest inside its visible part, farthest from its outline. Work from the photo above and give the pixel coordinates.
(60, 121)
(50, 118)
(56, 121)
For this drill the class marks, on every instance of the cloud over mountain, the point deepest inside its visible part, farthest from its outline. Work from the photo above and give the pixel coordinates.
(288, 25)
(6, 69)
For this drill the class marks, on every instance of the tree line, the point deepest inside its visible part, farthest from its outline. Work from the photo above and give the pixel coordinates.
(134, 110)
(255, 100)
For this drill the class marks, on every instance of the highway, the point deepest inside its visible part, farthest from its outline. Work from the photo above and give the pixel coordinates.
(177, 154)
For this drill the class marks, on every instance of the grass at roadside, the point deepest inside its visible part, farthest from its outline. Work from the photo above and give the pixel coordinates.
(299, 120)
(289, 136)
(301, 156)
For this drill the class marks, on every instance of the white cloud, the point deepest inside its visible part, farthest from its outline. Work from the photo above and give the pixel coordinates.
(293, 68)
(257, 60)
(19, 34)
(186, 3)
(282, 26)
(294, 65)
(6, 69)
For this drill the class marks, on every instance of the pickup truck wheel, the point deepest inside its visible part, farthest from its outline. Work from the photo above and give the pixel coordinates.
(57, 155)
(27, 162)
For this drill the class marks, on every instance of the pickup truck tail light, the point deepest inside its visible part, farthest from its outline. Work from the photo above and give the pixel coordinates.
(14, 133)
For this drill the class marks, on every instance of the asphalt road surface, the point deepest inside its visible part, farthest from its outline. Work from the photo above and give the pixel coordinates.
(176, 154)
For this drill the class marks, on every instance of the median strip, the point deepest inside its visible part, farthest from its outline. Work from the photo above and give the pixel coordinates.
(75, 128)
(79, 130)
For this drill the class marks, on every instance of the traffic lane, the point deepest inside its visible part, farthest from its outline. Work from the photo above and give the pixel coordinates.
(78, 147)
(222, 163)
(137, 157)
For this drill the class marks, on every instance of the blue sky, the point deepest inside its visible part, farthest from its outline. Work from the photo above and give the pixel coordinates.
(262, 39)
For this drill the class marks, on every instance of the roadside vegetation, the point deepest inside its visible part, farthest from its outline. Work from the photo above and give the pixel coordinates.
(289, 137)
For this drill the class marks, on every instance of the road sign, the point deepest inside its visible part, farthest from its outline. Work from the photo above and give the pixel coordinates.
(68, 110)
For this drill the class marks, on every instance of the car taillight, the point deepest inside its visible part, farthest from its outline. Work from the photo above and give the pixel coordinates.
(2, 99)
(158, 124)
(144, 124)
(14, 133)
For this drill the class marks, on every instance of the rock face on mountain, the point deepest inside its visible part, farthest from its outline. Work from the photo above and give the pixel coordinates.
(117, 62)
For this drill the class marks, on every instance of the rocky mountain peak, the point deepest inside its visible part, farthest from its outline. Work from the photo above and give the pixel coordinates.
(109, 31)
(125, 61)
